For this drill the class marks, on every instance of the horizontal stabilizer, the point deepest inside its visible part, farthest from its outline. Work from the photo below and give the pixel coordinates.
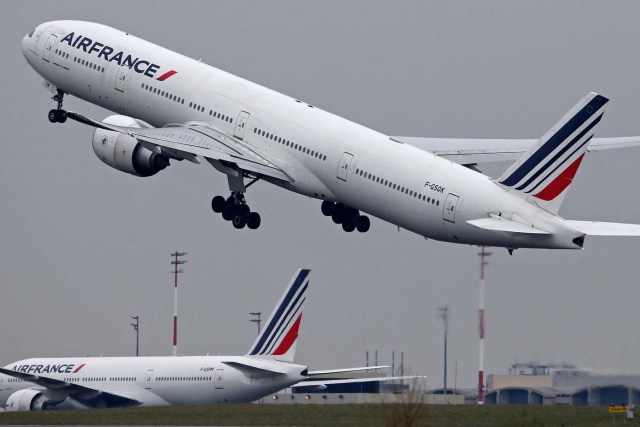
(469, 151)
(498, 223)
(595, 228)
(256, 368)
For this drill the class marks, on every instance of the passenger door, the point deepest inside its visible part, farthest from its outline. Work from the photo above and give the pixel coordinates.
(450, 206)
(217, 379)
(148, 379)
(243, 118)
(121, 78)
(48, 47)
(343, 166)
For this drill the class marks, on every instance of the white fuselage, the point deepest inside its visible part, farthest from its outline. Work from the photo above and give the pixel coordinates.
(327, 157)
(158, 381)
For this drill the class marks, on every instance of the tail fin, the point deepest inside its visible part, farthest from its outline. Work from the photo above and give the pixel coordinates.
(543, 174)
(279, 336)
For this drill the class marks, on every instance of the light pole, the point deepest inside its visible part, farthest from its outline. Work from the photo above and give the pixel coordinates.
(176, 262)
(483, 254)
(136, 327)
(444, 315)
(257, 320)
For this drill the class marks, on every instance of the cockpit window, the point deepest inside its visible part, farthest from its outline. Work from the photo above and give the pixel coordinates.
(31, 33)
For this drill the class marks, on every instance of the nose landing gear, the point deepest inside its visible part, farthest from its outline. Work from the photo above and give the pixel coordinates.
(58, 115)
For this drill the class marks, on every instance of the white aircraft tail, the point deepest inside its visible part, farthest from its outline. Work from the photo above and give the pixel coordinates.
(279, 337)
(543, 174)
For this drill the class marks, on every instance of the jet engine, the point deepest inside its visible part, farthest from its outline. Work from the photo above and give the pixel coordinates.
(124, 152)
(28, 400)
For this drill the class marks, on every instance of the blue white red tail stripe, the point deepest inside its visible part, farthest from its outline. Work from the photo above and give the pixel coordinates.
(550, 143)
(548, 168)
(561, 152)
(281, 331)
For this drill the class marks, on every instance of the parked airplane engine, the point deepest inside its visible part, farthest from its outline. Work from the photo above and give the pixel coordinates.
(124, 152)
(28, 400)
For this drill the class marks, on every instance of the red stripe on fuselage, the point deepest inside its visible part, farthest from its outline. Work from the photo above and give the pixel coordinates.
(166, 75)
(79, 367)
(289, 339)
(559, 184)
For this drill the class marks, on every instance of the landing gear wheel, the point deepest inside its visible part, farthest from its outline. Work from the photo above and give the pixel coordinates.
(363, 224)
(349, 225)
(243, 210)
(239, 221)
(217, 204)
(58, 115)
(228, 211)
(53, 116)
(253, 221)
(327, 208)
(338, 213)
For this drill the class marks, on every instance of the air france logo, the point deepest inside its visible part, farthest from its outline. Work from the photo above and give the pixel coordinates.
(109, 54)
(63, 368)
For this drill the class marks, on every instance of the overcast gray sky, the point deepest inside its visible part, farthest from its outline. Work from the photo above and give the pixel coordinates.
(83, 246)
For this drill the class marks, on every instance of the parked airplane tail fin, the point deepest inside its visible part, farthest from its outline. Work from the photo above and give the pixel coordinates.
(543, 174)
(280, 334)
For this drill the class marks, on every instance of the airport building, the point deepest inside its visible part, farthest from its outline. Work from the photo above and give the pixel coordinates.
(551, 384)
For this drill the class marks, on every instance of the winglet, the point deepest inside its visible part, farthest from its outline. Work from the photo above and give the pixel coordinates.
(279, 336)
(543, 174)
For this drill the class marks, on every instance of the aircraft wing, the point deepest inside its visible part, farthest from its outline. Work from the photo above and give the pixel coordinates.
(320, 384)
(343, 370)
(76, 391)
(190, 140)
(472, 151)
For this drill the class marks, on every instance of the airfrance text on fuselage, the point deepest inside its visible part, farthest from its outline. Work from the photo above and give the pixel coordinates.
(89, 46)
(63, 368)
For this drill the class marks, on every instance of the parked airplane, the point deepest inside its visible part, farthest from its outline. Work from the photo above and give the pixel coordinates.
(100, 382)
(171, 107)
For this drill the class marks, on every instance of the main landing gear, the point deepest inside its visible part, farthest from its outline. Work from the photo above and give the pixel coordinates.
(236, 210)
(349, 217)
(58, 115)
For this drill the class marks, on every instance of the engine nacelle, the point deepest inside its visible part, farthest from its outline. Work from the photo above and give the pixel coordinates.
(124, 152)
(29, 399)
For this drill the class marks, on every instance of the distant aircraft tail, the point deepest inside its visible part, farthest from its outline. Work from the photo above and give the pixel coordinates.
(543, 174)
(279, 337)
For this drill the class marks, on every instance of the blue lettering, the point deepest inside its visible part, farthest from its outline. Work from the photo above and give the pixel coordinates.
(69, 368)
(68, 38)
(106, 51)
(75, 43)
(151, 71)
(85, 43)
(129, 62)
(141, 70)
(96, 47)
(117, 57)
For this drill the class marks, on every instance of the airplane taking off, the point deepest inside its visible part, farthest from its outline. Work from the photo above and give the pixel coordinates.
(171, 107)
(106, 382)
